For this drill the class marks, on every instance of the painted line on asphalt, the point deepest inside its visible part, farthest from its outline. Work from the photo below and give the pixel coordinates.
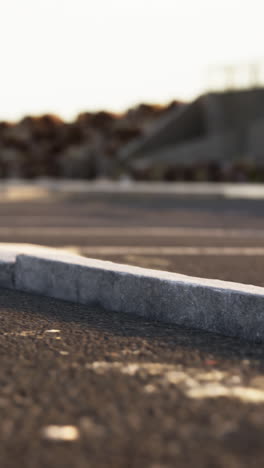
(128, 250)
(228, 308)
(134, 231)
(131, 250)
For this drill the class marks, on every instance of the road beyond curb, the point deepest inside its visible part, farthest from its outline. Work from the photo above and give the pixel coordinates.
(228, 308)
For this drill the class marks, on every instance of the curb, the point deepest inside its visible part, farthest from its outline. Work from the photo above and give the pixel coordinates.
(223, 307)
(17, 190)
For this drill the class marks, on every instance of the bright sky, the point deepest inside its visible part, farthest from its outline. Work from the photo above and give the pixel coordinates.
(67, 56)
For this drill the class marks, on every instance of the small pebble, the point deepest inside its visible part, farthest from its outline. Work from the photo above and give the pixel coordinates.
(64, 433)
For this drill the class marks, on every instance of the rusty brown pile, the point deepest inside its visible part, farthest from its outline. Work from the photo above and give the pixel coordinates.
(86, 148)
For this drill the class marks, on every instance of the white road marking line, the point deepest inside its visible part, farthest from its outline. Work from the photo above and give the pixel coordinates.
(133, 231)
(127, 250)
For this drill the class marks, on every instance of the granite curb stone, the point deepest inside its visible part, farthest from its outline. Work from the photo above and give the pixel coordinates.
(224, 307)
(20, 189)
(7, 268)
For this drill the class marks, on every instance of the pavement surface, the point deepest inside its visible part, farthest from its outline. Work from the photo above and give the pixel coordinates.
(80, 387)
(200, 236)
(84, 388)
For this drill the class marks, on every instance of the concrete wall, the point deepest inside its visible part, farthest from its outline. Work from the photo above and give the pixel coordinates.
(183, 124)
(208, 149)
(232, 110)
(202, 130)
(256, 140)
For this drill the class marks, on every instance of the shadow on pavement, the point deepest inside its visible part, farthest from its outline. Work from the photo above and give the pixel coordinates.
(39, 311)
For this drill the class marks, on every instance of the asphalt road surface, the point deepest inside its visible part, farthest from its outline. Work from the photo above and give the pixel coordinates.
(123, 392)
(213, 238)
(80, 387)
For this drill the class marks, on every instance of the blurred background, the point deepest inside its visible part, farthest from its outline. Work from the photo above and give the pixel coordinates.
(158, 90)
(132, 131)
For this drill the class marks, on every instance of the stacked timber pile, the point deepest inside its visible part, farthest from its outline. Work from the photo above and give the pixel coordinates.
(86, 148)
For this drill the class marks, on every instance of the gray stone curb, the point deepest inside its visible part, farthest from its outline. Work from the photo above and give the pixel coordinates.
(7, 268)
(18, 190)
(228, 308)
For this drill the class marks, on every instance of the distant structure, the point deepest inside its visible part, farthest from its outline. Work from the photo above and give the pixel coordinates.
(235, 76)
(217, 127)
